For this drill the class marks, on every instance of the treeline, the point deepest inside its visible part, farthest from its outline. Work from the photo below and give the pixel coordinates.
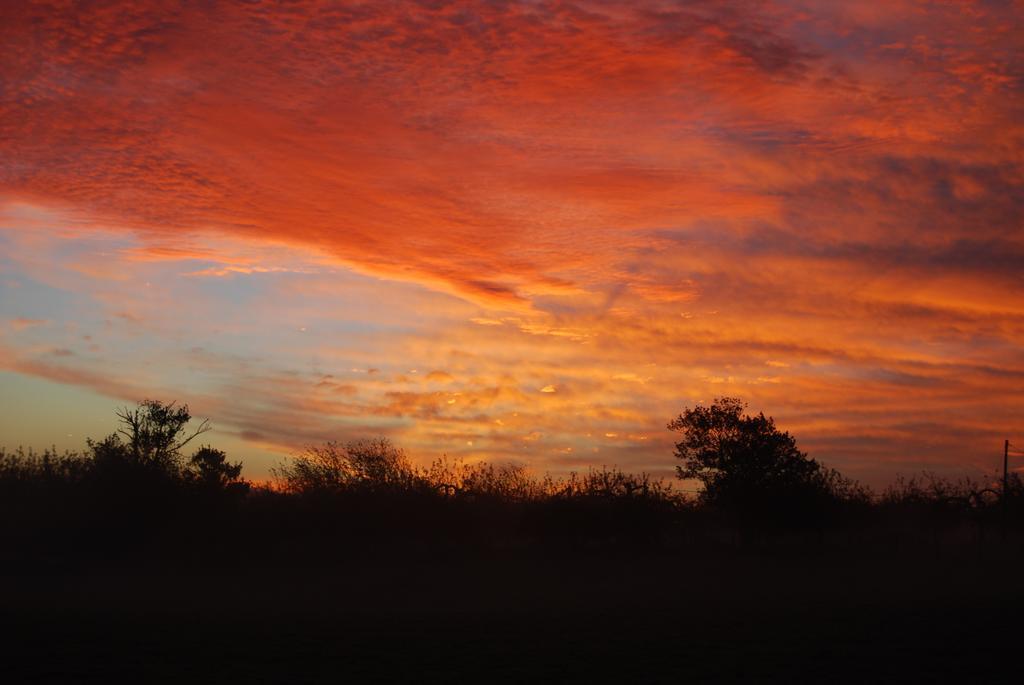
(141, 492)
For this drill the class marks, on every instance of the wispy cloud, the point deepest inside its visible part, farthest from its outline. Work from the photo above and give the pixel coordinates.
(20, 323)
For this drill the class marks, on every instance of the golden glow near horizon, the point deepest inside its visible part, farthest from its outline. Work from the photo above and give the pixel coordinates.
(530, 231)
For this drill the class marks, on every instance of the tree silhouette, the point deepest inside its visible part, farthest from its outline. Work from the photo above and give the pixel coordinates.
(147, 445)
(155, 432)
(209, 468)
(746, 464)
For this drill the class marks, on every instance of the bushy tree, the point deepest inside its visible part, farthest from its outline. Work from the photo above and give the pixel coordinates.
(147, 447)
(209, 468)
(155, 432)
(746, 464)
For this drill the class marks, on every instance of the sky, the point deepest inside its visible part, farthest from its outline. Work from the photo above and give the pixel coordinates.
(517, 231)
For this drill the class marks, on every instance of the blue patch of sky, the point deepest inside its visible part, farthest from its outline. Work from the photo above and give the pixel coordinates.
(22, 296)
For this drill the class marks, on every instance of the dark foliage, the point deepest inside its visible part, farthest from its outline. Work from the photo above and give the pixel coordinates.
(747, 466)
(135, 493)
(134, 543)
(155, 432)
(368, 465)
(210, 469)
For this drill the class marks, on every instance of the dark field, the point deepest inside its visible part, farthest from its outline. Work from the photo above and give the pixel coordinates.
(951, 616)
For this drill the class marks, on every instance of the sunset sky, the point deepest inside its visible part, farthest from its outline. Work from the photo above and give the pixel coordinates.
(530, 231)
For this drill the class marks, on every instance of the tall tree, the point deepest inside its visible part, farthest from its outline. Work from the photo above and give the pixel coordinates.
(209, 468)
(156, 432)
(150, 436)
(745, 463)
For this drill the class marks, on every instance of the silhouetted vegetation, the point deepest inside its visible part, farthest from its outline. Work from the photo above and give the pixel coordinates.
(751, 470)
(137, 491)
(140, 539)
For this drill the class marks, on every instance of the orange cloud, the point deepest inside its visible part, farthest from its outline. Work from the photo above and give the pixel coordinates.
(20, 323)
(639, 205)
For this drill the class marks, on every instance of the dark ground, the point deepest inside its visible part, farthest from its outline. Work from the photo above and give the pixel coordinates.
(943, 617)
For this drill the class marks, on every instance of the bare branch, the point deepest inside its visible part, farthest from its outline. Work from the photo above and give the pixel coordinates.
(203, 428)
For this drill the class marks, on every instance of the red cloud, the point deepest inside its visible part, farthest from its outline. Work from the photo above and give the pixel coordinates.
(435, 142)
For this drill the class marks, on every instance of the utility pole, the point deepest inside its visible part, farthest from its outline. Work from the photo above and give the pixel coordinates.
(1006, 488)
(1006, 459)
